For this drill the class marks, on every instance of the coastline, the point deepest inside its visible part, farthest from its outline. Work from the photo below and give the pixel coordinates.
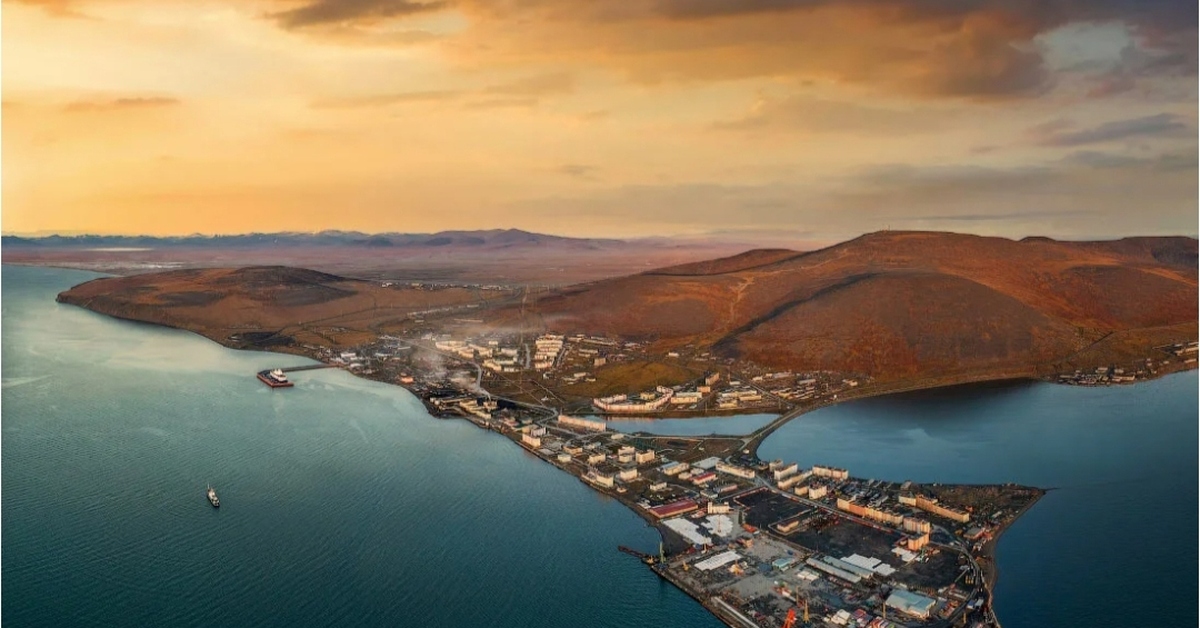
(988, 551)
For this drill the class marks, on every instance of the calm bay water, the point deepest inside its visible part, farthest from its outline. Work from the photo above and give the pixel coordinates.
(343, 502)
(737, 425)
(1114, 546)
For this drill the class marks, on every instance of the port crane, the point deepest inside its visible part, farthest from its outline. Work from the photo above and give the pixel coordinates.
(791, 619)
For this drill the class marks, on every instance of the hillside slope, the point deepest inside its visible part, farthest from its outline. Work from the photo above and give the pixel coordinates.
(896, 304)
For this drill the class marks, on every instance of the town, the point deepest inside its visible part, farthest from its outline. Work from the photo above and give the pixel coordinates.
(758, 543)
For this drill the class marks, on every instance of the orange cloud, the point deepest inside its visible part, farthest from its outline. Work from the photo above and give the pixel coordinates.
(124, 103)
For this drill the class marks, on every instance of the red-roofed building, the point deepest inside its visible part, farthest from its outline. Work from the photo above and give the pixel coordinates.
(674, 508)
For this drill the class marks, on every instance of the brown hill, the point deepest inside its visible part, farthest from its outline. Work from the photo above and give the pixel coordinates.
(274, 306)
(896, 304)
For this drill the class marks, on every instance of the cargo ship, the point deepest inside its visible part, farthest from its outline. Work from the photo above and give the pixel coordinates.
(274, 379)
(212, 497)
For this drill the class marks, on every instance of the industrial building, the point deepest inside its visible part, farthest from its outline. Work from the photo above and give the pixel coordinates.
(911, 603)
(833, 571)
(674, 508)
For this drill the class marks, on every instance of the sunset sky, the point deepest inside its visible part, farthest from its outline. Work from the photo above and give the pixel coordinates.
(823, 118)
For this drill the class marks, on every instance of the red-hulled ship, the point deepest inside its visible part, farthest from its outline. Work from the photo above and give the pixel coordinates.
(274, 379)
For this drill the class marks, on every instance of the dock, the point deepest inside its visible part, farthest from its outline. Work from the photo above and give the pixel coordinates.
(269, 377)
(307, 367)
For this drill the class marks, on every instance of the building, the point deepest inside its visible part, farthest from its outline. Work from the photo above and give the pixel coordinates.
(674, 468)
(907, 499)
(868, 512)
(788, 482)
(817, 491)
(789, 527)
(622, 403)
(627, 473)
(717, 509)
(674, 508)
(658, 486)
(682, 398)
(710, 379)
(910, 603)
(531, 440)
(537, 431)
(784, 471)
(587, 425)
(830, 472)
(600, 478)
(930, 505)
(704, 478)
(916, 542)
(912, 524)
(596, 458)
(642, 457)
(735, 470)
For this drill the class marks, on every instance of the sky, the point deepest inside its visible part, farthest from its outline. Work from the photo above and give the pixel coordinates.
(819, 118)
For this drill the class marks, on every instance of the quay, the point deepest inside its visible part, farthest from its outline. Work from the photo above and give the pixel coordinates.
(275, 378)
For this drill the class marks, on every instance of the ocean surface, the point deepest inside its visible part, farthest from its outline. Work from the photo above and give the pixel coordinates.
(345, 504)
(1113, 546)
(342, 502)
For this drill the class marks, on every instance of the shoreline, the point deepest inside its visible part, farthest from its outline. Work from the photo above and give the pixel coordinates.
(985, 558)
(990, 568)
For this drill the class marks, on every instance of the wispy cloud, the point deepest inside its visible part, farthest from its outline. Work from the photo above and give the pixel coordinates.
(118, 104)
(337, 11)
(383, 100)
(1063, 134)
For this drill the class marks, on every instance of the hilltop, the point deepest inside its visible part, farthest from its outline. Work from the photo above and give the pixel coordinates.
(897, 305)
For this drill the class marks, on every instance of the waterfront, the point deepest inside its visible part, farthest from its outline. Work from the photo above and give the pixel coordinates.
(1109, 548)
(367, 511)
(343, 502)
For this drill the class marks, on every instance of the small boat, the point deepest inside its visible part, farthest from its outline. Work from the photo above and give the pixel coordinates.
(212, 497)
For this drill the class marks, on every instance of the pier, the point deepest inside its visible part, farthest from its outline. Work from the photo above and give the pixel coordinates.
(307, 367)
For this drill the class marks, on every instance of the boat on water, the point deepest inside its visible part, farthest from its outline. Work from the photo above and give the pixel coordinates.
(274, 378)
(212, 497)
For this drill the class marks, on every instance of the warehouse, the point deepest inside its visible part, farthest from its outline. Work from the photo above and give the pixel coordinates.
(911, 603)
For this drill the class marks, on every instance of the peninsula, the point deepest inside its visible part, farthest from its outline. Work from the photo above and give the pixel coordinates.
(758, 543)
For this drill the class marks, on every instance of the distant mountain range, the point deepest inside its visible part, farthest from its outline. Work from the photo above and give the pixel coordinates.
(510, 256)
(495, 238)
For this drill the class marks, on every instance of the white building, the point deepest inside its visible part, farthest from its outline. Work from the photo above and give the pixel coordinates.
(590, 425)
